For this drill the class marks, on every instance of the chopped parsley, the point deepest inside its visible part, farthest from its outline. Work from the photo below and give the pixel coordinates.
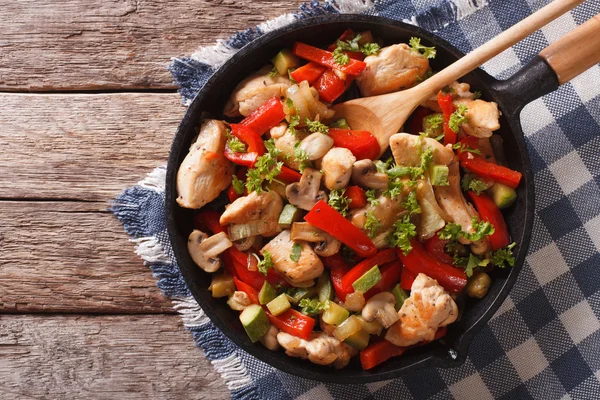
(339, 201)
(238, 185)
(312, 307)
(266, 263)
(454, 231)
(474, 262)
(458, 117)
(302, 156)
(403, 232)
(416, 46)
(235, 144)
(451, 231)
(394, 189)
(266, 168)
(433, 122)
(411, 204)
(477, 186)
(352, 45)
(370, 49)
(273, 72)
(384, 166)
(476, 94)
(316, 126)
(340, 57)
(294, 122)
(296, 250)
(372, 197)
(463, 147)
(503, 257)
(482, 228)
(372, 224)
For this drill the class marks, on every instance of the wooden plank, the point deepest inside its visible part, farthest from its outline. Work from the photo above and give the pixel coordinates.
(71, 257)
(118, 44)
(103, 357)
(82, 146)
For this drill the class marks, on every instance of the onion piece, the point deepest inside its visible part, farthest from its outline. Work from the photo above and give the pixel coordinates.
(241, 231)
(347, 328)
(307, 232)
(425, 192)
(430, 221)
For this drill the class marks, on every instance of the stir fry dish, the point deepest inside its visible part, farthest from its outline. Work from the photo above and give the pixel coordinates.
(328, 245)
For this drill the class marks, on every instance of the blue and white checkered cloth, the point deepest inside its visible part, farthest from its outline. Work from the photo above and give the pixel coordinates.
(544, 342)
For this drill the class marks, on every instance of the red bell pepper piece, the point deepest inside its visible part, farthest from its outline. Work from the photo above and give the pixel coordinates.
(390, 276)
(337, 269)
(231, 193)
(437, 247)
(293, 322)
(415, 123)
(420, 261)
(445, 102)
(379, 352)
(289, 175)
(361, 143)
(249, 136)
(346, 36)
(476, 164)
(265, 117)
(325, 217)
(309, 72)
(209, 219)
(383, 257)
(330, 86)
(249, 290)
(490, 212)
(357, 197)
(324, 57)
(240, 262)
(407, 278)
(245, 159)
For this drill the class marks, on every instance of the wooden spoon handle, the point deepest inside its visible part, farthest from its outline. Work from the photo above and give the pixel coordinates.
(497, 45)
(575, 52)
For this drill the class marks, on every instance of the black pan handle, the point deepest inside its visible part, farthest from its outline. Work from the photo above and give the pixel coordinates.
(558, 63)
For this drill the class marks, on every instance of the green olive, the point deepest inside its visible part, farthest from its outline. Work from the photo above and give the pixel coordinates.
(478, 285)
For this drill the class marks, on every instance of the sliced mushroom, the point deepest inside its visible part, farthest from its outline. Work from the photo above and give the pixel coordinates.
(337, 167)
(381, 308)
(316, 145)
(245, 243)
(205, 250)
(326, 245)
(365, 174)
(305, 194)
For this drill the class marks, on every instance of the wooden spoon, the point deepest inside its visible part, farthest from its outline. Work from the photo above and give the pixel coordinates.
(385, 114)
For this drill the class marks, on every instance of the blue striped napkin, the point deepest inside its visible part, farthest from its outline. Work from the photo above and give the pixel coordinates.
(544, 342)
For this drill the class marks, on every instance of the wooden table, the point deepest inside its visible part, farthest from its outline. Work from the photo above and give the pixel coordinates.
(87, 108)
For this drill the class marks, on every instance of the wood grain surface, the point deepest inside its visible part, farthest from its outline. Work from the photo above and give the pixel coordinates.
(50, 45)
(102, 357)
(82, 146)
(71, 257)
(80, 315)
